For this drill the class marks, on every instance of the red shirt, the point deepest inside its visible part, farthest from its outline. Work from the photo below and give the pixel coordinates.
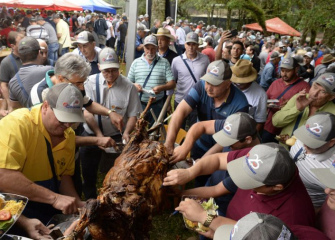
(307, 233)
(325, 220)
(293, 205)
(5, 32)
(274, 91)
(318, 61)
(209, 51)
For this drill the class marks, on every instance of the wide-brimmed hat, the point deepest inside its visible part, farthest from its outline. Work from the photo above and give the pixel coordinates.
(164, 32)
(243, 72)
(328, 58)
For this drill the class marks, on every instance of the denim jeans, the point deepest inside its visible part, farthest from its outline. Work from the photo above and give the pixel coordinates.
(64, 50)
(53, 53)
(120, 49)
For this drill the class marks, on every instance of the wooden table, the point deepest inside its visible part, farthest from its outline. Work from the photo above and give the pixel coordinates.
(4, 53)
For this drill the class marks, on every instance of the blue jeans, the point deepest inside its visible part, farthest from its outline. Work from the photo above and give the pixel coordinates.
(64, 50)
(53, 53)
(120, 49)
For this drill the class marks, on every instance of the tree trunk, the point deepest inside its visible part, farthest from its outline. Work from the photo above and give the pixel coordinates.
(313, 36)
(158, 10)
(303, 36)
(228, 22)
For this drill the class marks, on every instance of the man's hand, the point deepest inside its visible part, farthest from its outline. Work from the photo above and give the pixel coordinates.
(169, 148)
(126, 137)
(156, 89)
(192, 210)
(179, 154)
(34, 228)
(117, 120)
(106, 142)
(225, 36)
(177, 177)
(302, 101)
(138, 87)
(66, 204)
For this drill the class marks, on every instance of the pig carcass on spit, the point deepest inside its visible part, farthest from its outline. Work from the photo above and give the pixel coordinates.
(131, 191)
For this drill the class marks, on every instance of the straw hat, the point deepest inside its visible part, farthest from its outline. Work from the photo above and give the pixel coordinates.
(243, 72)
(328, 58)
(164, 32)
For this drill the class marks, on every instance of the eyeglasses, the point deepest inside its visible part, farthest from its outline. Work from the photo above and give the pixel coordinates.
(110, 70)
(74, 83)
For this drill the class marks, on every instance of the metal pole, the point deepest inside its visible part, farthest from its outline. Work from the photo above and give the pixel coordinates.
(131, 34)
(175, 14)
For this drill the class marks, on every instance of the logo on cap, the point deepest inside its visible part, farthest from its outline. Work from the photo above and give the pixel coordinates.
(81, 37)
(253, 163)
(73, 103)
(214, 71)
(109, 58)
(227, 127)
(286, 61)
(330, 79)
(316, 130)
(193, 36)
(285, 234)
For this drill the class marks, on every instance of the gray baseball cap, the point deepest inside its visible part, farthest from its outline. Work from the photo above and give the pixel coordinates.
(260, 167)
(288, 63)
(66, 102)
(317, 131)
(217, 72)
(236, 127)
(28, 45)
(151, 39)
(192, 37)
(255, 226)
(275, 55)
(84, 37)
(326, 175)
(108, 59)
(327, 80)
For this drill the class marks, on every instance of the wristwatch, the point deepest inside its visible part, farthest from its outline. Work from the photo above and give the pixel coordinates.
(111, 110)
(209, 219)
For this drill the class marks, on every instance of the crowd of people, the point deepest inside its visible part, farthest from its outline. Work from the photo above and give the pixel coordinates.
(259, 114)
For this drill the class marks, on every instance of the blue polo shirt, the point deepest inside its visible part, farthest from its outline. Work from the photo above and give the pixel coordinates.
(138, 43)
(198, 99)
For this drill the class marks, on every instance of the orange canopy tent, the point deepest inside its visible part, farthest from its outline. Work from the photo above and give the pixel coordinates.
(275, 25)
(56, 5)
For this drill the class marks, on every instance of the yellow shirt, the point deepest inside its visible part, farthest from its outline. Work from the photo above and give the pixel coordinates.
(63, 28)
(23, 147)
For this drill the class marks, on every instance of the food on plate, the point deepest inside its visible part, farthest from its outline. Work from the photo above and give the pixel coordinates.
(291, 141)
(15, 207)
(5, 215)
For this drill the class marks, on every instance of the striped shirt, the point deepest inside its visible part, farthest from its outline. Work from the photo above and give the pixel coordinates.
(305, 162)
(161, 74)
(38, 32)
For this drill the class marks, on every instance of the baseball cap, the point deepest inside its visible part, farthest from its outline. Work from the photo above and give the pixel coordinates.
(327, 80)
(326, 175)
(56, 16)
(151, 39)
(124, 17)
(275, 55)
(108, 59)
(288, 63)
(84, 37)
(236, 127)
(217, 72)
(309, 54)
(142, 28)
(192, 37)
(66, 102)
(281, 44)
(243, 72)
(255, 226)
(265, 164)
(28, 44)
(317, 131)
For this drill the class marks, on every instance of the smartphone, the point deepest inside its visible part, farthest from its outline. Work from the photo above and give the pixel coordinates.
(233, 32)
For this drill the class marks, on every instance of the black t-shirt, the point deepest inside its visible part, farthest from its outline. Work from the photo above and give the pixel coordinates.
(74, 25)
(123, 31)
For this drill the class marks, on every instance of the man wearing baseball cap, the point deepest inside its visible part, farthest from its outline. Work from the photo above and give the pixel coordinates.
(267, 180)
(282, 90)
(269, 72)
(302, 105)
(214, 97)
(87, 50)
(314, 148)
(151, 72)
(117, 93)
(256, 226)
(243, 77)
(38, 152)
(308, 68)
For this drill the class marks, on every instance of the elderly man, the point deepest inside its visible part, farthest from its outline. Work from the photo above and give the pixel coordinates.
(53, 44)
(151, 73)
(164, 38)
(10, 65)
(63, 34)
(87, 50)
(187, 71)
(302, 105)
(115, 92)
(244, 76)
(36, 31)
(44, 52)
(38, 147)
(214, 97)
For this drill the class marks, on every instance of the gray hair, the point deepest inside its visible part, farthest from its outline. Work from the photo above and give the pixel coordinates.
(70, 64)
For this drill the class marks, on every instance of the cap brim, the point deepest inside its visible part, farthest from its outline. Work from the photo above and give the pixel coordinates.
(67, 117)
(165, 35)
(286, 66)
(109, 65)
(223, 232)
(211, 79)
(203, 45)
(302, 134)
(323, 85)
(222, 139)
(325, 176)
(81, 42)
(240, 178)
(192, 41)
(150, 44)
(248, 79)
